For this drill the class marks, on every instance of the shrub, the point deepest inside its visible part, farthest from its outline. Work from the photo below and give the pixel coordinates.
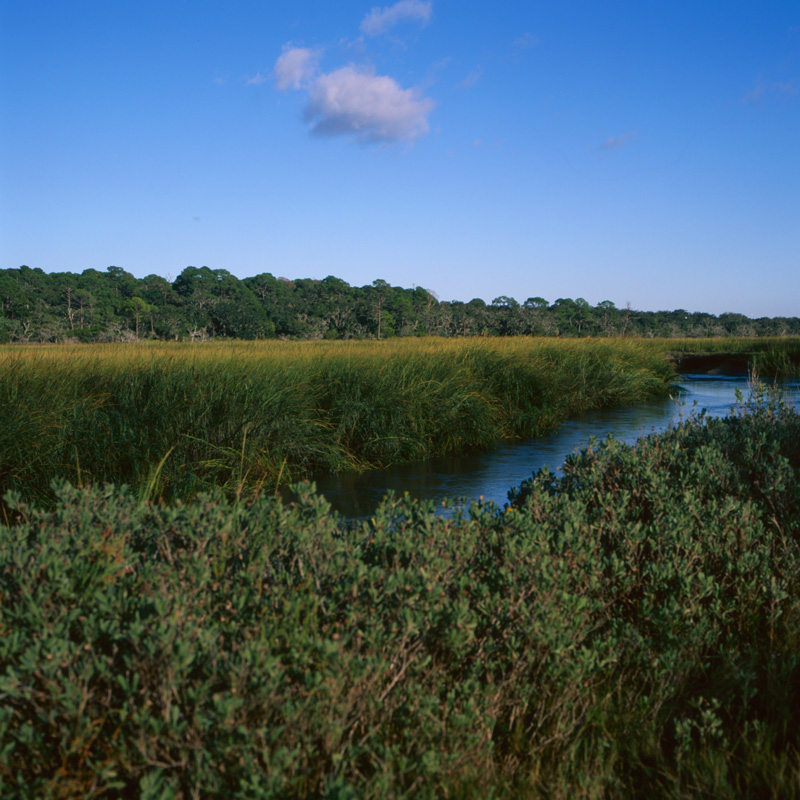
(634, 623)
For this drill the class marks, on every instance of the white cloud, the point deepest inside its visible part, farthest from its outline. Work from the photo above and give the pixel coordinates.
(354, 101)
(380, 20)
(295, 67)
(371, 108)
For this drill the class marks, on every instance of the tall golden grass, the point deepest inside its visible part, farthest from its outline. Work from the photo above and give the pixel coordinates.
(172, 418)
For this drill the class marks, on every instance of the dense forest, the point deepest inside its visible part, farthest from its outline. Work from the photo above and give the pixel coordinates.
(203, 303)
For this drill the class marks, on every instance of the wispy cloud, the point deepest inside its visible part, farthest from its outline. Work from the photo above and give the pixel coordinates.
(380, 20)
(295, 67)
(525, 42)
(256, 80)
(482, 143)
(471, 79)
(354, 102)
(764, 90)
(755, 94)
(616, 142)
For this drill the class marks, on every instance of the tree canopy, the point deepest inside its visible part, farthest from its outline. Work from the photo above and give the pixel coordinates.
(204, 303)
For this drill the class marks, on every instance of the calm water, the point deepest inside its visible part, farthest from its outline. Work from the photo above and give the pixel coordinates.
(491, 474)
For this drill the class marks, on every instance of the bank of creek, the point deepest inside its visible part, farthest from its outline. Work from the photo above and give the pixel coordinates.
(492, 473)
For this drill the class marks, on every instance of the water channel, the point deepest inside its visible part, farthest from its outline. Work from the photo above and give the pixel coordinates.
(492, 473)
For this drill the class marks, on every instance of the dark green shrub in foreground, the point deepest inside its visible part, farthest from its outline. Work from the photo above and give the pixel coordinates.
(633, 626)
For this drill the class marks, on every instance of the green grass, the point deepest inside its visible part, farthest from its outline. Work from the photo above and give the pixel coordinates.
(769, 357)
(734, 344)
(173, 419)
(629, 629)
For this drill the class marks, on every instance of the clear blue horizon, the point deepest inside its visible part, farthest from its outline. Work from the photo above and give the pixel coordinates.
(640, 153)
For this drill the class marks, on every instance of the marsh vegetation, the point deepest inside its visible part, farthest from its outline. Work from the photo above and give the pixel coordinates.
(632, 623)
(172, 419)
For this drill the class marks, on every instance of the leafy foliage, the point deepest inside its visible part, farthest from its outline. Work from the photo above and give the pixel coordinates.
(204, 303)
(634, 623)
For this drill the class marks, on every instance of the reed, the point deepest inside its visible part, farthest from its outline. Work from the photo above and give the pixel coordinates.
(173, 419)
(771, 357)
(734, 344)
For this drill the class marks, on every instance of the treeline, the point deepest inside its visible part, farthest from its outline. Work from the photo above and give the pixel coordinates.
(203, 303)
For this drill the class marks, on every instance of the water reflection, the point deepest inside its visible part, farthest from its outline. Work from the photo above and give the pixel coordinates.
(490, 474)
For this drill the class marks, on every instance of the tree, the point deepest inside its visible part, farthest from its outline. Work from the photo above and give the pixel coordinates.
(535, 304)
(337, 305)
(607, 316)
(137, 308)
(220, 303)
(381, 289)
(14, 302)
(123, 282)
(583, 315)
(564, 309)
(507, 316)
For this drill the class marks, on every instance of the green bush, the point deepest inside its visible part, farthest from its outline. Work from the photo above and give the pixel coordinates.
(632, 624)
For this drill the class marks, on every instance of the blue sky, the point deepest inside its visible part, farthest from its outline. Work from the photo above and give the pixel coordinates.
(640, 152)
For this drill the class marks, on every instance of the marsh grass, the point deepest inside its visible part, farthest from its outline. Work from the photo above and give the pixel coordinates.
(770, 357)
(733, 344)
(174, 419)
